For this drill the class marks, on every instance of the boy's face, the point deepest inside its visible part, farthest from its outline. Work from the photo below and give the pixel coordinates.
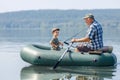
(56, 33)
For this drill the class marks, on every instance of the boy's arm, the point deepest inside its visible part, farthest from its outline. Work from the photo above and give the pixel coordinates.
(52, 44)
(61, 43)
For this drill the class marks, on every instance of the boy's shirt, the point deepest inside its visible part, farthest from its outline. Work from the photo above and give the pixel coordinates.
(56, 42)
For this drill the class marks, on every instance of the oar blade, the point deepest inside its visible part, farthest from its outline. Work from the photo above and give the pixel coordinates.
(56, 65)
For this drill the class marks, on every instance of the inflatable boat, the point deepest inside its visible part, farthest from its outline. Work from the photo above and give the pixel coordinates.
(45, 56)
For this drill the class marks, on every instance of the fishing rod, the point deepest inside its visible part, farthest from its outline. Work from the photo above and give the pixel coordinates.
(71, 37)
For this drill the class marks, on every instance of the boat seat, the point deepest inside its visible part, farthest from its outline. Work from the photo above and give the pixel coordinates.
(95, 52)
(105, 49)
(108, 49)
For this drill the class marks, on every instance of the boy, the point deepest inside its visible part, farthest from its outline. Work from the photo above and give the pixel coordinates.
(55, 43)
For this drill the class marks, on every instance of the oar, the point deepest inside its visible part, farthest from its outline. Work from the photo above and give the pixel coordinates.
(60, 59)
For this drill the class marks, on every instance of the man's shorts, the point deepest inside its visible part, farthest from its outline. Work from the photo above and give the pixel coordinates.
(83, 48)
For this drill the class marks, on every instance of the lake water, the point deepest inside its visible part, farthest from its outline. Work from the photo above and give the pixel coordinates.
(14, 68)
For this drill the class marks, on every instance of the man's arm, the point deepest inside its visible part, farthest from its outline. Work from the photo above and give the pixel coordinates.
(85, 39)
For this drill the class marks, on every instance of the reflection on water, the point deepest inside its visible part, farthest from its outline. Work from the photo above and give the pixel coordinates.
(67, 73)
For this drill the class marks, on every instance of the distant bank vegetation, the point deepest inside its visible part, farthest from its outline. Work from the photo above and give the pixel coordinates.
(67, 20)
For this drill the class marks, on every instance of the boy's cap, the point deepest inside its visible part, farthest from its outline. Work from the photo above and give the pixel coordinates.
(88, 16)
(55, 29)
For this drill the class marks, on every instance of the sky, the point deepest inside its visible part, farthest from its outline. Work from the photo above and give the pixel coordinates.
(18, 5)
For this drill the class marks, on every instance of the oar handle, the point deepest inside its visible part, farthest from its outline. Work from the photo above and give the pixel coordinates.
(66, 42)
(69, 44)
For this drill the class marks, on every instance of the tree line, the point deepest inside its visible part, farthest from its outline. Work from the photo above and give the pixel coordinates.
(69, 21)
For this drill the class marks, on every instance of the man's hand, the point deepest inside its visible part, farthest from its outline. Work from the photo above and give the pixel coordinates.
(74, 40)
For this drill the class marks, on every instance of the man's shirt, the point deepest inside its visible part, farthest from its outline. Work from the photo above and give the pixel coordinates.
(95, 33)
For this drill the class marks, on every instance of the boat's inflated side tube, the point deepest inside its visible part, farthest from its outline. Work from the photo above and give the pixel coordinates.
(44, 56)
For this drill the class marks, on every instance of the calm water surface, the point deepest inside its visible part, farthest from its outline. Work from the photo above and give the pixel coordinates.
(14, 68)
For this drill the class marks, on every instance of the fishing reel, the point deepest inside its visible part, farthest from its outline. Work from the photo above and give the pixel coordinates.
(69, 44)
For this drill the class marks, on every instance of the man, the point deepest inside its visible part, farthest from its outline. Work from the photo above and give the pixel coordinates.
(94, 37)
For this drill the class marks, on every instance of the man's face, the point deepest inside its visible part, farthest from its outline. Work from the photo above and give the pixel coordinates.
(88, 21)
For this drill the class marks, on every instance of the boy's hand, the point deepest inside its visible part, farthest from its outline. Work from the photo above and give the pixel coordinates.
(61, 43)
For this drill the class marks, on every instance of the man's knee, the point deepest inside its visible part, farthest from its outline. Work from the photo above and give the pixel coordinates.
(76, 50)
